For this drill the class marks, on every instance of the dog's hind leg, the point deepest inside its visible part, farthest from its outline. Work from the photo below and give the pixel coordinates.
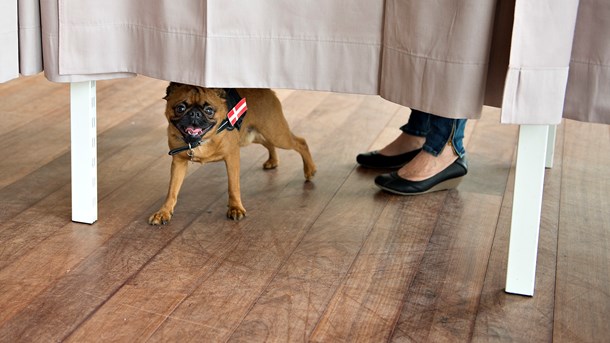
(289, 141)
(300, 145)
(280, 136)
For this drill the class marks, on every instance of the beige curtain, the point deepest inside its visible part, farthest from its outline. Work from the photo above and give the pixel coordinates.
(587, 97)
(20, 39)
(542, 38)
(9, 40)
(322, 45)
(539, 60)
(436, 55)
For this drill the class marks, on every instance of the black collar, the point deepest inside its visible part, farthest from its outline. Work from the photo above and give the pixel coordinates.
(190, 146)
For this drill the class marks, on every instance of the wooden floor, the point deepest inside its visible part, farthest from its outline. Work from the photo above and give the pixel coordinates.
(334, 260)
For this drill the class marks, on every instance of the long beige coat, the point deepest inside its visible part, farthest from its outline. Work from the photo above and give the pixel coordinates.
(540, 60)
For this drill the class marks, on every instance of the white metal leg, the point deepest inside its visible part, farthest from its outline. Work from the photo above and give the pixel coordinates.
(550, 146)
(84, 151)
(527, 205)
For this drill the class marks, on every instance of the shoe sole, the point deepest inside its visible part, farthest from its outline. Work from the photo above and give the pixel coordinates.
(442, 186)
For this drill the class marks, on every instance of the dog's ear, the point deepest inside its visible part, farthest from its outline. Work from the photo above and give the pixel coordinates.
(170, 88)
(220, 92)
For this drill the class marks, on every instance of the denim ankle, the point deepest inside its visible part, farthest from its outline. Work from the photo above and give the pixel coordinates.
(437, 130)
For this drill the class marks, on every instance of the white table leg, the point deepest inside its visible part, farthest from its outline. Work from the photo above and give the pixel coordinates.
(84, 151)
(550, 146)
(527, 205)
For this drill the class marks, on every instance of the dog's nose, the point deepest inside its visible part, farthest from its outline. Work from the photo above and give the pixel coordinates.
(195, 114)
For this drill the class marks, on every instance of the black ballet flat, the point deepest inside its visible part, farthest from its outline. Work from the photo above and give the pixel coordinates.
(447, 179)
(374, 159)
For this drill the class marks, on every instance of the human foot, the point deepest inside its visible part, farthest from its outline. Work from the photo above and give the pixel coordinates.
(395, 155)
(425, 165)
(448, 178)
(402, 144)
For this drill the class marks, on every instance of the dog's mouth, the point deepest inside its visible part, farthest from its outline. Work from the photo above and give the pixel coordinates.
(194, 133)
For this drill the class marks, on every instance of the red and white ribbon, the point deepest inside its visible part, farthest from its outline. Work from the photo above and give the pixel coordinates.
(237, 111)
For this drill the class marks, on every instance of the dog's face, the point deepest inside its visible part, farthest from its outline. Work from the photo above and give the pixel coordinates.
(194, 111)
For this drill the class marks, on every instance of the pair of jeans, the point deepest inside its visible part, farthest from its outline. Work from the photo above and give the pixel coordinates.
(437, 131)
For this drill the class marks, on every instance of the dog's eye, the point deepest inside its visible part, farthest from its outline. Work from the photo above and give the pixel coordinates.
(180, 109)
(209, 111)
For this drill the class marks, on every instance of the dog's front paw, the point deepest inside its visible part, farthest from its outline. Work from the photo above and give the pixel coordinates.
(162, 217)
(236, 213)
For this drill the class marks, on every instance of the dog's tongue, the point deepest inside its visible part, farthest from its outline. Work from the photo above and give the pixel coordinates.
(193, 131)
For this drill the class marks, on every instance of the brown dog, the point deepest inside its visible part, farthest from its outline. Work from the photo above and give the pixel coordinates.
(195, 117)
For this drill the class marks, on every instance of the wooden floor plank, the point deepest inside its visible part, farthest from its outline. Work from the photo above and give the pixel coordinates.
(47, 134)
(24, 228)
(267, 240)
(333, 260)
(442, 300)
(114, 170)
(129, 199)
(44, 179)
(504, 316)
(65, 246)
(292, 302)
(29, 100)
(108, 253)
(582, 300)
(206, 238)
(364, 307)
(20, 234)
